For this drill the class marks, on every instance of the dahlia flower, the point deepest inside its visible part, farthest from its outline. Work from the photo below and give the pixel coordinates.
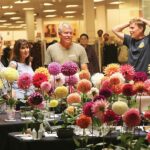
(111, 68)
(128, 90)
(35, 99)
(43, 70)
(10, 74)
(92, 93)
(132, 117)
(1, 84)
(84, 86)
(24, 81)
(96, 79)
(87, 109)
(71, 80)
(117, 89)
(38, 78)
(99, 107)
(127, 71)
(54, 68)
(53, 103)
(99, 97)
(119, 107)
(69, 68)
(61, 92)
(147, 83)
(45, 86)
(57, 80)
(148, 137)
(105, 92)
(70, 110)
(73, 98)
(115, 77)
(140, 76)
(84, 74)
(83, 121)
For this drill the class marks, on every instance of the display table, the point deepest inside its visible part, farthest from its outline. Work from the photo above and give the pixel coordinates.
(15, 142)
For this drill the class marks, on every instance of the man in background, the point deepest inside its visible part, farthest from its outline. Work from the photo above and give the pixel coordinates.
(66, 49)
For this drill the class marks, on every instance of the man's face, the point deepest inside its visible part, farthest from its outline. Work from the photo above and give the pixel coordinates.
(66, 36)
(135, 31)
(83, 40)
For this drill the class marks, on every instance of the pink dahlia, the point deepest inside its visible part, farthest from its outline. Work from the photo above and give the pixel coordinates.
(98, 109)
(140, 76)
(99, 97)
(127, 71)
(87, 109)
(84, 86)
(132, 117)
(35, 99)
(45, 86)
(117, 89)
(128, 90)
(73, 98)
(71, 80)
(54, 68)
(148, 137)
(69, 68)
(38, 78)
(147, 83)
(24, 81)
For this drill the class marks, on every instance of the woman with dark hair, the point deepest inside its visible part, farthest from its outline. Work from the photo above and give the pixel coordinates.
(22, 62)
(5, 59)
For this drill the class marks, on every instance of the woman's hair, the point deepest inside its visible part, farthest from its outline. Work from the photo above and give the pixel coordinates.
(139, 23)
(16, 51)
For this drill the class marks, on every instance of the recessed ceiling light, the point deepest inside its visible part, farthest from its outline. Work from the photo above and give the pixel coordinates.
(47, 4)
(69, 16)
(3, 20)
(69, 12)
(3, 26)
(49, 10)
(15, 18)
(7, 24)
(9, 13)
(21, 2)
(98, 0)
(116, 3)
(7, 6)
(50, 16)
(28, 8)
(71, 6)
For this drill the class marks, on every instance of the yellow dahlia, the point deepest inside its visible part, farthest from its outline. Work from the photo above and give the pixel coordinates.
(43, 70)
(119, 107)
(1, 84)
(10, 74)
(70, 110)
(61, 92)
(53, 103)
(111, 68)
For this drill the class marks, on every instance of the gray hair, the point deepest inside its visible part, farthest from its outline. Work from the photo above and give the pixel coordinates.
(62, 26)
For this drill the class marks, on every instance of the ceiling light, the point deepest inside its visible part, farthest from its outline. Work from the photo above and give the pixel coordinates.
(15, 18)
(9, 13)
(47, 4)
(71, 6)
(3, 26)
(7, 24)
(50, 16)
(21, 2)
(28, 8)
(69, 12)
(69, 16)
(98, 0)
(49, 10)
(116, 3)
(3, 20)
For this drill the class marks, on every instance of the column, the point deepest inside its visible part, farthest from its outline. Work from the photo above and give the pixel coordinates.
(89, 19)
(39, 29)
(30, 24)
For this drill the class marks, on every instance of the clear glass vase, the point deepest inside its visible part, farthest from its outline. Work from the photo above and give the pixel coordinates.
(10, 113)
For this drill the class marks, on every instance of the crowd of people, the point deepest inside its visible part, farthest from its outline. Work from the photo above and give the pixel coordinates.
(83, 54)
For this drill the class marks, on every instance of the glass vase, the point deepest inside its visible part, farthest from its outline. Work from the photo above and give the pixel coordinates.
(10, 113)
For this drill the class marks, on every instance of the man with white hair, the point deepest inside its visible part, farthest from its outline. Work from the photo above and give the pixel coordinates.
(66, 50)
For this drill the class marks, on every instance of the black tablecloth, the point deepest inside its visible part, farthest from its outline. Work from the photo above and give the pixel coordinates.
(54, 143)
